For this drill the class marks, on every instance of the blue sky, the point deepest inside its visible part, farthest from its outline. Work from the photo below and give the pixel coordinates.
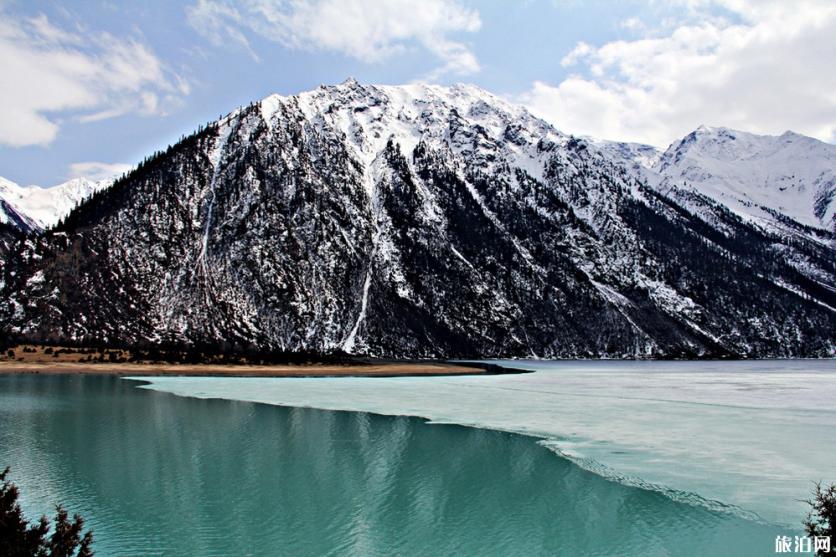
(89, 87)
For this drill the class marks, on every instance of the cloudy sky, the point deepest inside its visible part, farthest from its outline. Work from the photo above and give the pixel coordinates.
(90, 87)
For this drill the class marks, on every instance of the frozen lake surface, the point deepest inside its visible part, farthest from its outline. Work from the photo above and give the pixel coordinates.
(158, 474)
(752, 436)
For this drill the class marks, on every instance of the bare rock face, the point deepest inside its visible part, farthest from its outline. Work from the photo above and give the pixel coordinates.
(414, 221)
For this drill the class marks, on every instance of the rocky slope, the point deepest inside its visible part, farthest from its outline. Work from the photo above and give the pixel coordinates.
(414, 221)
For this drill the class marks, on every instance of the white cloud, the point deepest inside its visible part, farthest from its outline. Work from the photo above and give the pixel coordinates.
(219, 22)
(633, 24)
(48, 73)
(368, 30)
(97, 170)
(580, 51)
(768, 70)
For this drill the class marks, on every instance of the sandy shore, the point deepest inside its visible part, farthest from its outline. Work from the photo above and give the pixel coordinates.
(295, 370)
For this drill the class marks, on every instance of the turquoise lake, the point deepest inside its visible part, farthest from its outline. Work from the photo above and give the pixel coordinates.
(159, 474)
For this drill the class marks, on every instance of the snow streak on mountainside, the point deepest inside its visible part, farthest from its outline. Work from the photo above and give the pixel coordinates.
(33, 208)
(414, 221)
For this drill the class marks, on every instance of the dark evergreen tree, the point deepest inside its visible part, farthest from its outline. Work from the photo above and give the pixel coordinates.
(821, 519)
(20, 539)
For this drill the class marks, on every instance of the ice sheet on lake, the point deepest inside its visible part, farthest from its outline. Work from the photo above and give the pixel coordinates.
(750, 434)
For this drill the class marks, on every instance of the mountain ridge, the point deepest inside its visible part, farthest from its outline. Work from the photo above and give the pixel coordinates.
(33, 208)
(414, 221)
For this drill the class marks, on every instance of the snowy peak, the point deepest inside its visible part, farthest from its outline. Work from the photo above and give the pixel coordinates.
(463, 120)
(761, 178)
(33, 207)
(756, 175)
(406, 110)
(732, 145)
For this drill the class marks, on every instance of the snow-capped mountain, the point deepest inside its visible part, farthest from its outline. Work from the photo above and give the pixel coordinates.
(11, 215)
(413, 221)
(34, 208)
(762, 178)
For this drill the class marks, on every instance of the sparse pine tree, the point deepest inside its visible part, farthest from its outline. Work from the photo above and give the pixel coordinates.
(821, 519)
(20, 539)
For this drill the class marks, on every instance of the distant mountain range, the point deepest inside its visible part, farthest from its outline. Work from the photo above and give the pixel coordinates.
(427, 221)
(35, 209)
(762, 178)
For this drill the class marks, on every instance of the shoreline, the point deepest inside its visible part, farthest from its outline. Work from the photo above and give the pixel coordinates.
(365, 369)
